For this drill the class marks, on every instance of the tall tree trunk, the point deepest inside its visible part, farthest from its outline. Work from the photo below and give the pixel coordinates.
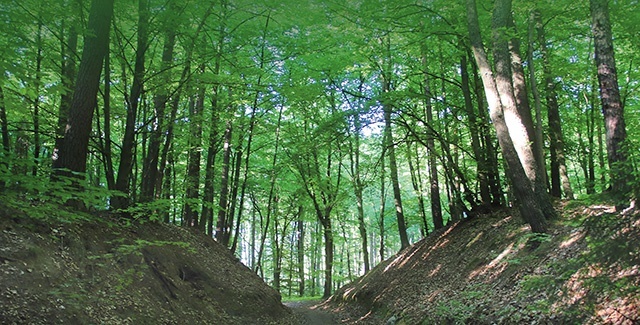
(358, 187)
(192, 181)
(527, 201)
(390, 148)
(416, 182)
(72, 156)
(68, 75)
(497, 195)
(4, 131)
(327, 232)
(36, 102)
(383, 202)
(434, 186)
(515, 101)
(300, 250)
(150, 168)
(559, 177)
(123, 180)
(474, 130)
(612, 108)
(222, 228)
(106, 150)
(539, 142)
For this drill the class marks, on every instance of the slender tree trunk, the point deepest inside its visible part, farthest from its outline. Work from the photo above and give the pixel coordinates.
(612, 108)
(300, 251)
(591, 120)
(383, 202)
(527, 201)
(72, 156)
(222, 228)
(36, 102)
(123, 180)
(233, 197)
(417, 187)
(4, 130)
(559, 177)
(106, 100)
(68, 75)
(150, 168)
(192, 182)
(539, 142)
(474, 130)
(358, 188)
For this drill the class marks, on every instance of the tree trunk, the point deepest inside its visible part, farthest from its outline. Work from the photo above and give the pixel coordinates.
(539, 142)
(72, 156)
(358, 187)
(515, 101)
(68, 75)
(150, 168)
(527, 201)
(474, 130)
(192, 181)
(4, 131)
(222, 228)
(36, 102)
(123, 180)
(416, 182)
(383, 201)
(612, 108)
(300, 251)
(559, 177)
(328, 254)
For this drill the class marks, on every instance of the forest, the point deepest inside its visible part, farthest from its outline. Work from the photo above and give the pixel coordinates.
(316, 139)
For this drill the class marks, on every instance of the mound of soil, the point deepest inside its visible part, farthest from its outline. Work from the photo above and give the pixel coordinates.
(106, 272)
(486, 271)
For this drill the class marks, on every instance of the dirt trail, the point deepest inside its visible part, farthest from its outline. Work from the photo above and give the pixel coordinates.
(309, 313)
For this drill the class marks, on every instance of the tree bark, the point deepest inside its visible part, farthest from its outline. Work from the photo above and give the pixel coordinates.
(150, 172)
(538, 132)
(4, 131)
(123, 179)
(222, 228)
(559, 176)
(300, 251)
(612, 108)
(526, 199)
(474, 130)
(192, 181)
(515, 101)
(72, 155)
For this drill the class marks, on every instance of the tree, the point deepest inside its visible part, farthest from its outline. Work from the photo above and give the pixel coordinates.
(523, 189)
(612, 107)
(72, 155)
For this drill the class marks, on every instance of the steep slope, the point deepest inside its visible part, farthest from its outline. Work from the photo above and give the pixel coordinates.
(486, 271)
(106, 272)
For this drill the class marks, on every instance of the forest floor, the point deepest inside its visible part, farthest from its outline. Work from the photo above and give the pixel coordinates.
(492, 270)
(68, 268)
(310, 312)
(108, 270)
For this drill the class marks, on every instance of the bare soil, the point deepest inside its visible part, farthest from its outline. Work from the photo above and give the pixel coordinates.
(107, 272)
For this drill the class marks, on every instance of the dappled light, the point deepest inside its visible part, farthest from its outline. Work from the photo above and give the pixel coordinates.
(319, 162)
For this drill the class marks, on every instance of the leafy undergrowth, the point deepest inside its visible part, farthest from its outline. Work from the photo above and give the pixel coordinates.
(486, 271)
(88, 269)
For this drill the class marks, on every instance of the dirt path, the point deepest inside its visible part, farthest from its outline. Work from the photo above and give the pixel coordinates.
(308, 313)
